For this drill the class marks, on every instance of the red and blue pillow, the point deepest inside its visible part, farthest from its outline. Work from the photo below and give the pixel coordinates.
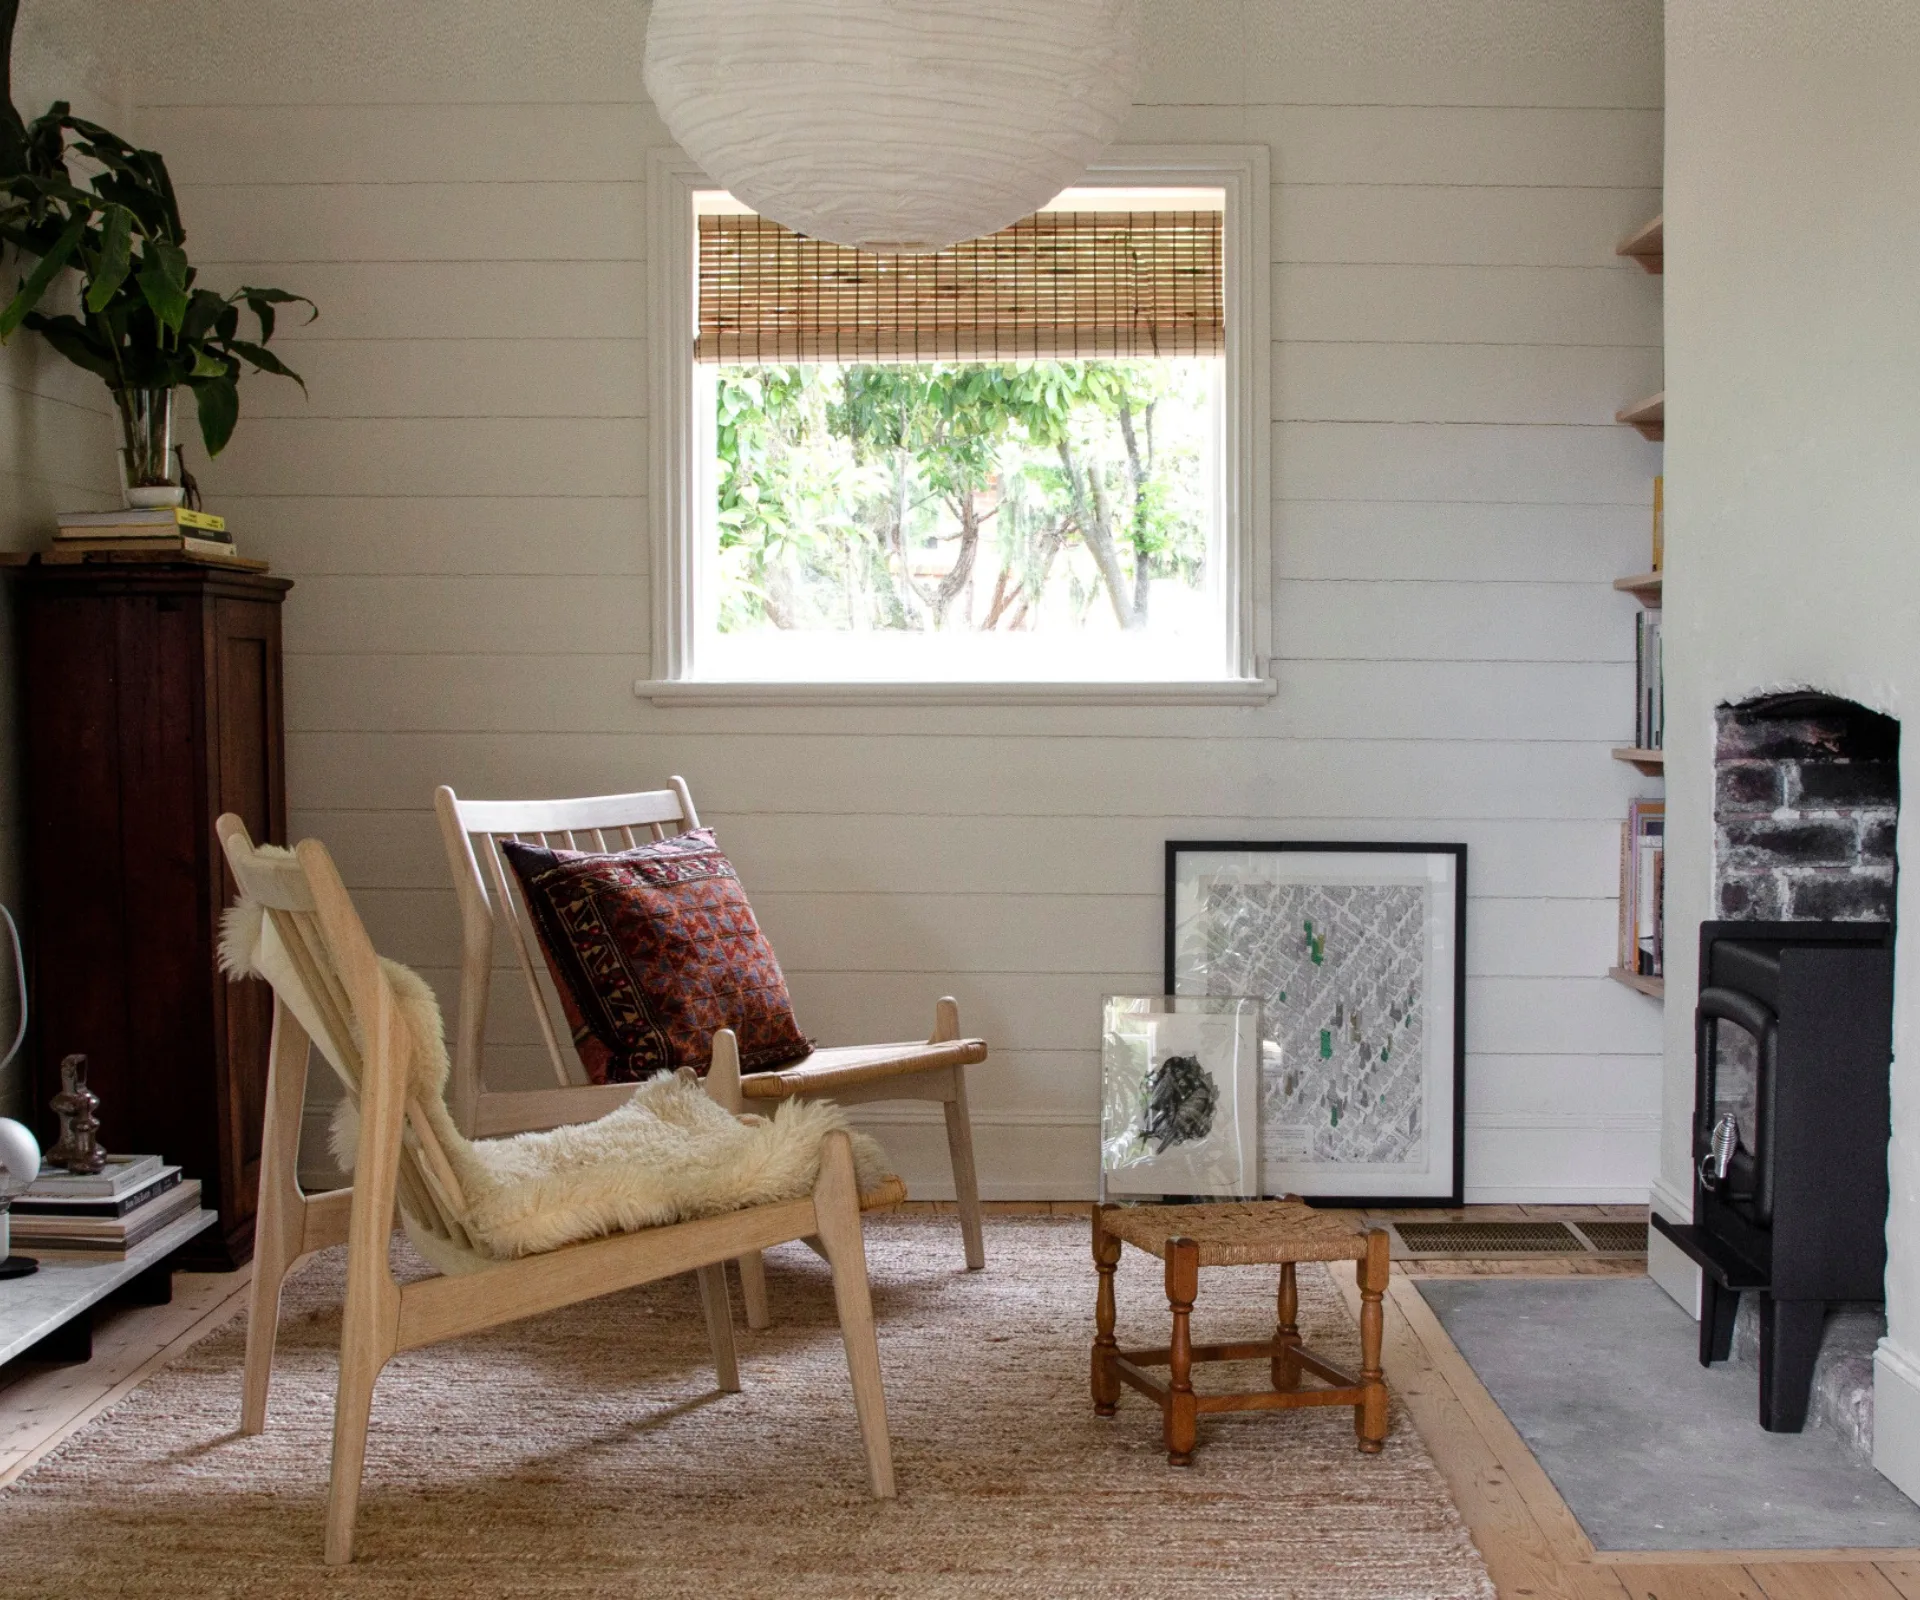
(652, 950)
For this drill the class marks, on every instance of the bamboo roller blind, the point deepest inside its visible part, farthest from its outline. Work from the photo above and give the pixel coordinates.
(1060, 285)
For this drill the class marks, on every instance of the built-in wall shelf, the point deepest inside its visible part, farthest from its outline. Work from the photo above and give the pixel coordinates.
(1653, 987)
(1649, 416)
(1644, 587)
(1651, 762)
(1646, 245)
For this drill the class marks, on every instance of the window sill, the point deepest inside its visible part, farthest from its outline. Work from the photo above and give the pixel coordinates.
(1188, 692)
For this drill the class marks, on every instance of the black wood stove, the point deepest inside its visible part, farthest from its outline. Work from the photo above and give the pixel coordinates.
(1793, 1040)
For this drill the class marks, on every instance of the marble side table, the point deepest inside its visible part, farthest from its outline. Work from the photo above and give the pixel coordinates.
(48, 1315)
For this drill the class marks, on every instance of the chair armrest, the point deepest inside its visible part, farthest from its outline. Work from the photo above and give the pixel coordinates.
(845, 1066)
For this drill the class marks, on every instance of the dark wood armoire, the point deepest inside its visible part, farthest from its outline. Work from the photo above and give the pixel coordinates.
(150, 705)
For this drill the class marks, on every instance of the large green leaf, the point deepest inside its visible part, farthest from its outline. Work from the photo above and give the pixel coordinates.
(78, 343)
(267, 361)
(203, 312)
(264, 300)
(43, 274)
(116, 257)
(163, 281)
(218, 400)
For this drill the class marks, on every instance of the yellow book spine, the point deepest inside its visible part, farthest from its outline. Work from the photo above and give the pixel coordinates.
(1659, 523)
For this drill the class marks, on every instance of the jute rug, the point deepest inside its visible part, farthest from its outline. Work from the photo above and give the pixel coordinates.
(586, 1453)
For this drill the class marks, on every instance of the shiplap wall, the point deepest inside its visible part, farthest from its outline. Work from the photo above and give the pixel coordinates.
(459, 183)
(57, 435)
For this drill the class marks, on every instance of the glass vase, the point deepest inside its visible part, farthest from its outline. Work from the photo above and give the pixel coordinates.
(149, 466)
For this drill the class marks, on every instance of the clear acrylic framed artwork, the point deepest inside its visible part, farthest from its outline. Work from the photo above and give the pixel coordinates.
(1179, 1089)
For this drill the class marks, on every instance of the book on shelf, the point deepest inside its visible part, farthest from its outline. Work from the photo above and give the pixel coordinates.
(1642, 928)
(1649, 693)
(30, 1204)
(121, 1175)
(105, 1237)
(1659, 522)
(140, 519)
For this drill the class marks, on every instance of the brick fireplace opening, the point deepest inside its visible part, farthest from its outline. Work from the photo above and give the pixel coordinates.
(1806, 798)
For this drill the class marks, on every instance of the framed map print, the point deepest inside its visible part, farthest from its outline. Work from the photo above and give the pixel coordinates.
(1357, 954)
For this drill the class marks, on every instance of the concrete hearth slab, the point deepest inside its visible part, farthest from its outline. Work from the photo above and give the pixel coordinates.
(1650, 1450)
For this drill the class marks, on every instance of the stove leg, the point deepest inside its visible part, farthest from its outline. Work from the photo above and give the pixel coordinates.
(1789, 1345)
(1718, 1307)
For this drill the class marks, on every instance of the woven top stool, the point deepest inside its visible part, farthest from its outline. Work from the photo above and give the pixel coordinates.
(1239, 1233)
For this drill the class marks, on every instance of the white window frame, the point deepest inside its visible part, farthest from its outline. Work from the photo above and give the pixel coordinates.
(1246, 538)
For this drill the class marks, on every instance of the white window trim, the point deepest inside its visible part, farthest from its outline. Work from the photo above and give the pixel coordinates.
(1241, 170)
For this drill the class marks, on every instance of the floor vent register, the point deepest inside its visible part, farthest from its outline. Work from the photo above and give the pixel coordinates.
(1477, 1239)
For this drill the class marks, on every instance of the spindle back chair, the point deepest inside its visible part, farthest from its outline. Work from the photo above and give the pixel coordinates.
(492, 910)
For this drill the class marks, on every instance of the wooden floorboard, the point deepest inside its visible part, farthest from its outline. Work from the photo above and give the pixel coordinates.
(1903, 1575)
(41, 1405)
(1689, 1583)
(1851, 1580)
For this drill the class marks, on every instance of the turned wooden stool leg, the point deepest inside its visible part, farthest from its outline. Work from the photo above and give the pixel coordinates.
(1286, 1368)
(1106, 1256)
(1370, 1416)
(1183, 1284)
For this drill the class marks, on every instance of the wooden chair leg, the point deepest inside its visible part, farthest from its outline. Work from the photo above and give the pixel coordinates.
(1106, 1257)
(836, 1203)
(722, 1084)
(1286, 1363)
(718, 1311)
(1183, 1285)
(263, 1326)
(966, 1184)
(281, 1220)
(1370, 1416)
(360, 1366)
(370, 1320)
(753, 1290)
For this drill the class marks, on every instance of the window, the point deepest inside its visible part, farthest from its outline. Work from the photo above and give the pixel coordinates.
(1029, 466)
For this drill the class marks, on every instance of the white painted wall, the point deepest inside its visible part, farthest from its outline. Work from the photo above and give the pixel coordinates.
(1793, 484)
(56, 431)
(462, 504)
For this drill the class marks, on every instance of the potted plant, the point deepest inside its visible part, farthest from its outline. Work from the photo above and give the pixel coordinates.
(143, 325)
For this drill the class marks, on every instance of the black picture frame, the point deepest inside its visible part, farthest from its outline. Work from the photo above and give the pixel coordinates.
(1454, 1195)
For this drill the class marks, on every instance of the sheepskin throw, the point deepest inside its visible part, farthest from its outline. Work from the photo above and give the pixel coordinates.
(653, 949)
(668, 1155)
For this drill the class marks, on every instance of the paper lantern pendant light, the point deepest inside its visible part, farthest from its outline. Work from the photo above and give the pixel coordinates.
(893, 125)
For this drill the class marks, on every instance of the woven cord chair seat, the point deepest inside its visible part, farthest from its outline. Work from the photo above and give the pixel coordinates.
(1242, 1233)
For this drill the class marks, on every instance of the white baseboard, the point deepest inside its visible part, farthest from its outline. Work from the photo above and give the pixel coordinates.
(1667, 1264)
(1669, 1201)
(1549, 1194)
(1670, 1267)
(1896, 1418)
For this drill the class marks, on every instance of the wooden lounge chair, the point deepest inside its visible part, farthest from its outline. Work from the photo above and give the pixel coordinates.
(332, 990)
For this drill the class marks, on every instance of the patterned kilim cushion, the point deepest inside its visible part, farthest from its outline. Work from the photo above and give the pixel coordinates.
(652, 950)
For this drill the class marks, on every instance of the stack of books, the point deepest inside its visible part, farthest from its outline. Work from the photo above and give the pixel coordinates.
(1643, 885)
(146, 535)
(100, 1216)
